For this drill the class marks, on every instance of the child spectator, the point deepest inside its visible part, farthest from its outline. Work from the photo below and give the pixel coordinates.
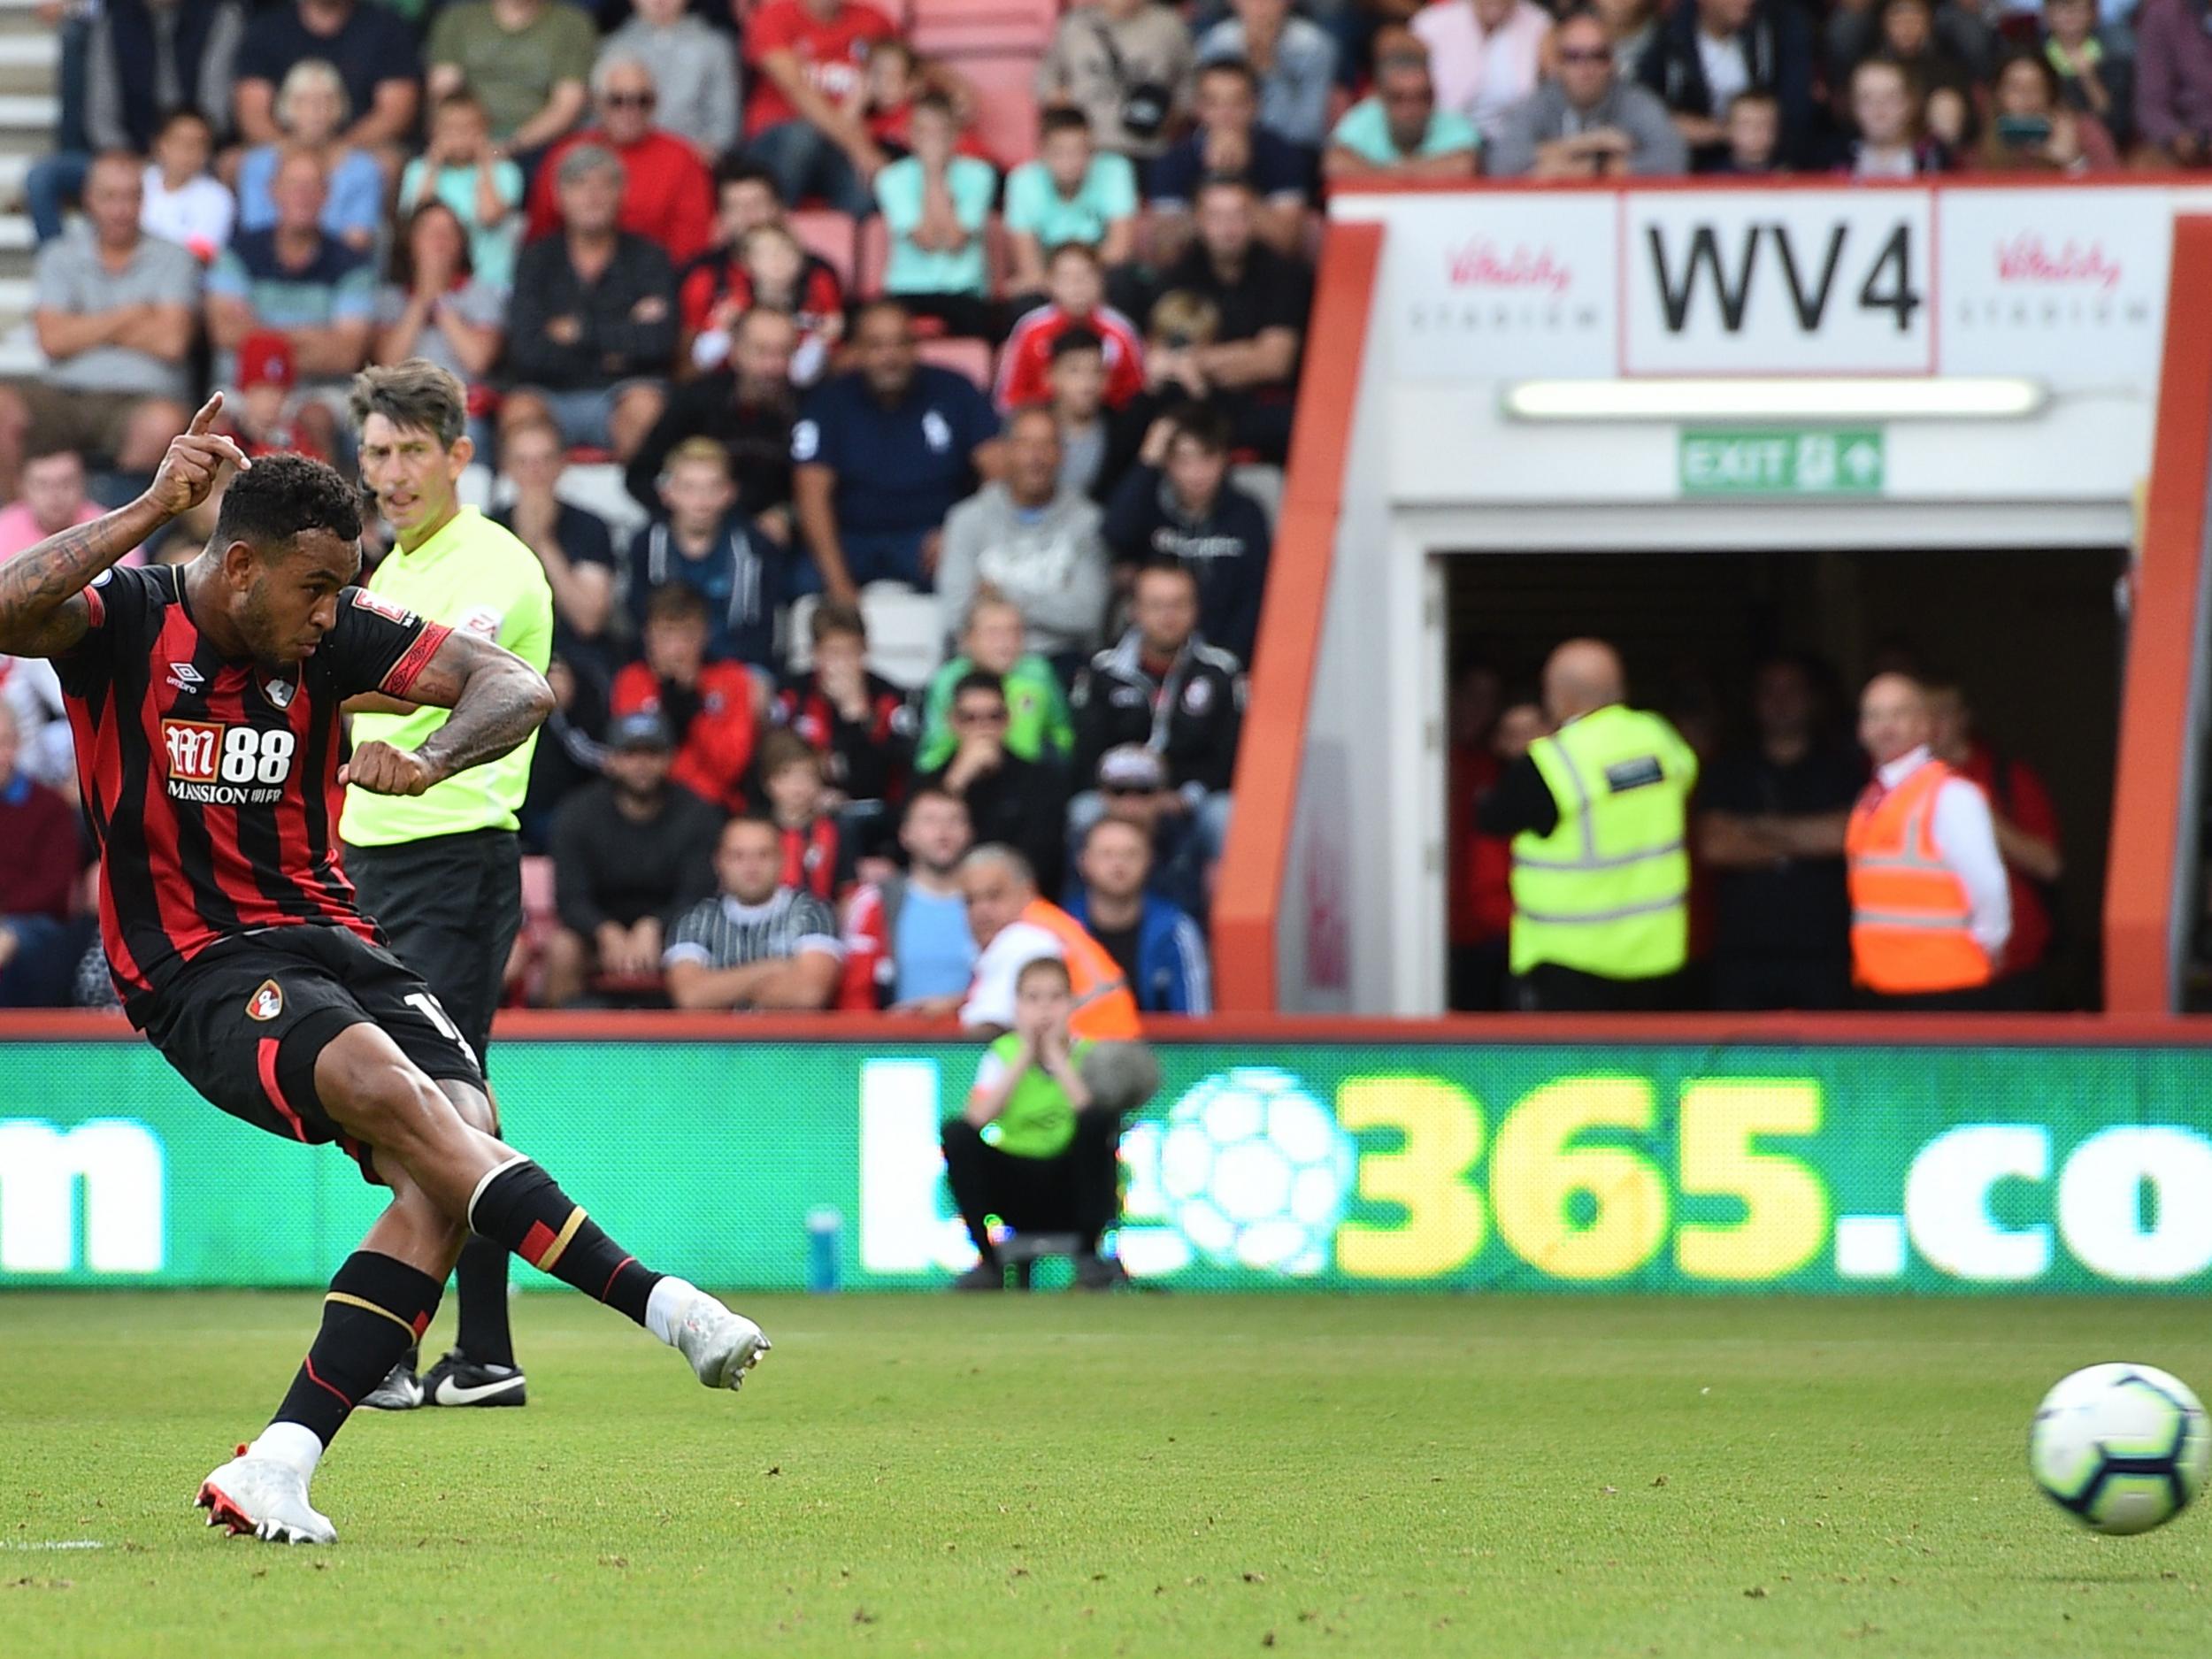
(706, 543)
(1039, 726)
(767, 266)
(1179, 505)
(184, 204)
(859, 722)
(1076, 288)
(884, 99)
(2096, 72)
(1073, 191)
(311, 110)
(817, 857)
(711, 708)
(266, 419)
(1882, 108)
(461, 169)
(1097, 445)
(935, 202)
(1754, 128)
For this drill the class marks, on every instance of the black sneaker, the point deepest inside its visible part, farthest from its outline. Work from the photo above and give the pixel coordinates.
(459, 1380)
(398, 1391)
(1099, 1272)
(982, 1276)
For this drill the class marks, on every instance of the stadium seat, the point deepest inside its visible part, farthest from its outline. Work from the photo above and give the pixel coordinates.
(1005, 107)
(874, 254)
(905, 633)
(1264, 483)
(830, 236)
(525, 962)
(970, 357)
(963, 29)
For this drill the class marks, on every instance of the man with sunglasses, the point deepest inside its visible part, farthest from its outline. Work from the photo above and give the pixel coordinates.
(668, 194)
(1397, 131)
(1585, 121)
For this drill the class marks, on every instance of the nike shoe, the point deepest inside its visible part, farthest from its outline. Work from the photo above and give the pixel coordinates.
(459, 1380)
(721, 1346)
(266, 1498)
(398, 1391)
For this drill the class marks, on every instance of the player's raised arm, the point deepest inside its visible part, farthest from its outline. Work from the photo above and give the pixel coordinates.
(498, 700)
(43, 612)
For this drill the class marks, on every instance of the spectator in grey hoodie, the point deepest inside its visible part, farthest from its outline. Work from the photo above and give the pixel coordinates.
(1585, 121)
(1034, 542)
(695, 73)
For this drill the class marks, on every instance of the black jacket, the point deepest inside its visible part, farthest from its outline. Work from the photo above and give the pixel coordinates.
(1191, 717)
(1022, 805)
(757, 436)
(616, 343)
(1227, 551)
(1780, 52)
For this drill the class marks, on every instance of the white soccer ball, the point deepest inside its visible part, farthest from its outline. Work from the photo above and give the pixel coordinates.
(2121, 1448)
(1256, 1171)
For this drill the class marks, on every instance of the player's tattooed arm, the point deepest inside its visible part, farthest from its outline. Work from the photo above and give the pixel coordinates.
(42, 608)
(498, 700)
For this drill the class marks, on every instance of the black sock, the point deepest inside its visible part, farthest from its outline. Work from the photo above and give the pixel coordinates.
(522, 1209)
(377, 1307)
(481, 1280)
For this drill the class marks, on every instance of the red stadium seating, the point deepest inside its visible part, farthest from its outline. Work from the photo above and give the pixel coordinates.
(830, 236)
(1005, 107)
(962, 29)
(970, 357)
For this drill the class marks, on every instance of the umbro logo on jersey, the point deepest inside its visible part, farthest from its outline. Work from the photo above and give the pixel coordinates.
(267, 1002)
(184, 677)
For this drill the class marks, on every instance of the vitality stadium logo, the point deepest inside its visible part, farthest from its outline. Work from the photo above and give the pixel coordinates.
(212, 764)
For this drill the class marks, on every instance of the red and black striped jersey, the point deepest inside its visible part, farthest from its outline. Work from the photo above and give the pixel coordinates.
(212, 784)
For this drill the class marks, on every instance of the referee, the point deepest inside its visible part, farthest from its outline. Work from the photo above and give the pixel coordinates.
(442, 871)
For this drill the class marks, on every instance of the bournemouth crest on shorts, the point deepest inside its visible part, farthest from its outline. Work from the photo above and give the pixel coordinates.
(267, 1002)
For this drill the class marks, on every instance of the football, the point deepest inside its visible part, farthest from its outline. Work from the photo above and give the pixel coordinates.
(2121, 1448)
(1256, 1171)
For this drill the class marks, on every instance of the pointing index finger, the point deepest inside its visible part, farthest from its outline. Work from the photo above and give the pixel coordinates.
(205, 418)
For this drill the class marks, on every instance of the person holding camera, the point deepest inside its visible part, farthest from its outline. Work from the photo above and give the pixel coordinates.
(1583, 121)
(1127, 64)
(2032, 131)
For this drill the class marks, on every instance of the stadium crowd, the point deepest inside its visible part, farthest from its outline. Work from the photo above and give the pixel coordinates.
(876, 342)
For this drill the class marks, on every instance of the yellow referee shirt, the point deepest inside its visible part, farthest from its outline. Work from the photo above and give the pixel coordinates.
(473, 575)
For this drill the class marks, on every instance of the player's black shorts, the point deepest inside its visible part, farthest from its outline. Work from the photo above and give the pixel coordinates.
(450, 907)
(245, 1020)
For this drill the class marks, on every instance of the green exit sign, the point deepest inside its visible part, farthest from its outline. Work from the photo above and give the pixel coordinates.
(1780, 461)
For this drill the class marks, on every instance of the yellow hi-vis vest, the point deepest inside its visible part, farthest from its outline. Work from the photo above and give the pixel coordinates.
(1608, 891)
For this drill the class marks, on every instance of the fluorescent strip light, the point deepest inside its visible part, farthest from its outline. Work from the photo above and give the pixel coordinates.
(1843, 398)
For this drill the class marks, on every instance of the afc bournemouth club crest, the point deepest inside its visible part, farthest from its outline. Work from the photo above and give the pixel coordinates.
(265, 1004)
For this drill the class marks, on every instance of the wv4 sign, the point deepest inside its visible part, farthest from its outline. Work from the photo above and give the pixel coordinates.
(1728, 283)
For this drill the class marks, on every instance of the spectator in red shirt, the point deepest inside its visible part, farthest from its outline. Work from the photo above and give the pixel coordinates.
(804, 121)
(667, 195)
(39, 857)
(712, 708)
(2026, 822)
(816, 855)
(767, 267)
(1076, 282)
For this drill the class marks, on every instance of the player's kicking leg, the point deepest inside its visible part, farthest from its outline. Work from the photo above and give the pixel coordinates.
(448, 1178)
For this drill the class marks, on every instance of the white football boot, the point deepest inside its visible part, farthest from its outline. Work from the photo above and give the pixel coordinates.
(266, 1497)
(721, 1346)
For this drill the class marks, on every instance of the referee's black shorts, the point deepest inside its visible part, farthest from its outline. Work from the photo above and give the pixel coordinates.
(450, 907)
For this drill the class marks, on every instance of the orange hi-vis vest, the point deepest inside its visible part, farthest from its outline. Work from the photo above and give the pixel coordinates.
(1908, 909)
(1105, 1010)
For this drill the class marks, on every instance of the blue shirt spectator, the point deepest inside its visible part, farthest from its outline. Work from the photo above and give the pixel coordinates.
(881, 455)
(1295, 59)
(738, 571)
(371, 48)
(297, 281)
(353, 214)
(1161, 950)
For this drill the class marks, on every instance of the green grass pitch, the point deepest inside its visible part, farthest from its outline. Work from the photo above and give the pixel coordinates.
(1142, 1476)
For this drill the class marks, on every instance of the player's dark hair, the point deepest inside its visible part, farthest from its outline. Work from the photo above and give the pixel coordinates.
(281, 496)
(676, 602)
(1076, 339)
(837, 616)
(980, 679)
(416, 394)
